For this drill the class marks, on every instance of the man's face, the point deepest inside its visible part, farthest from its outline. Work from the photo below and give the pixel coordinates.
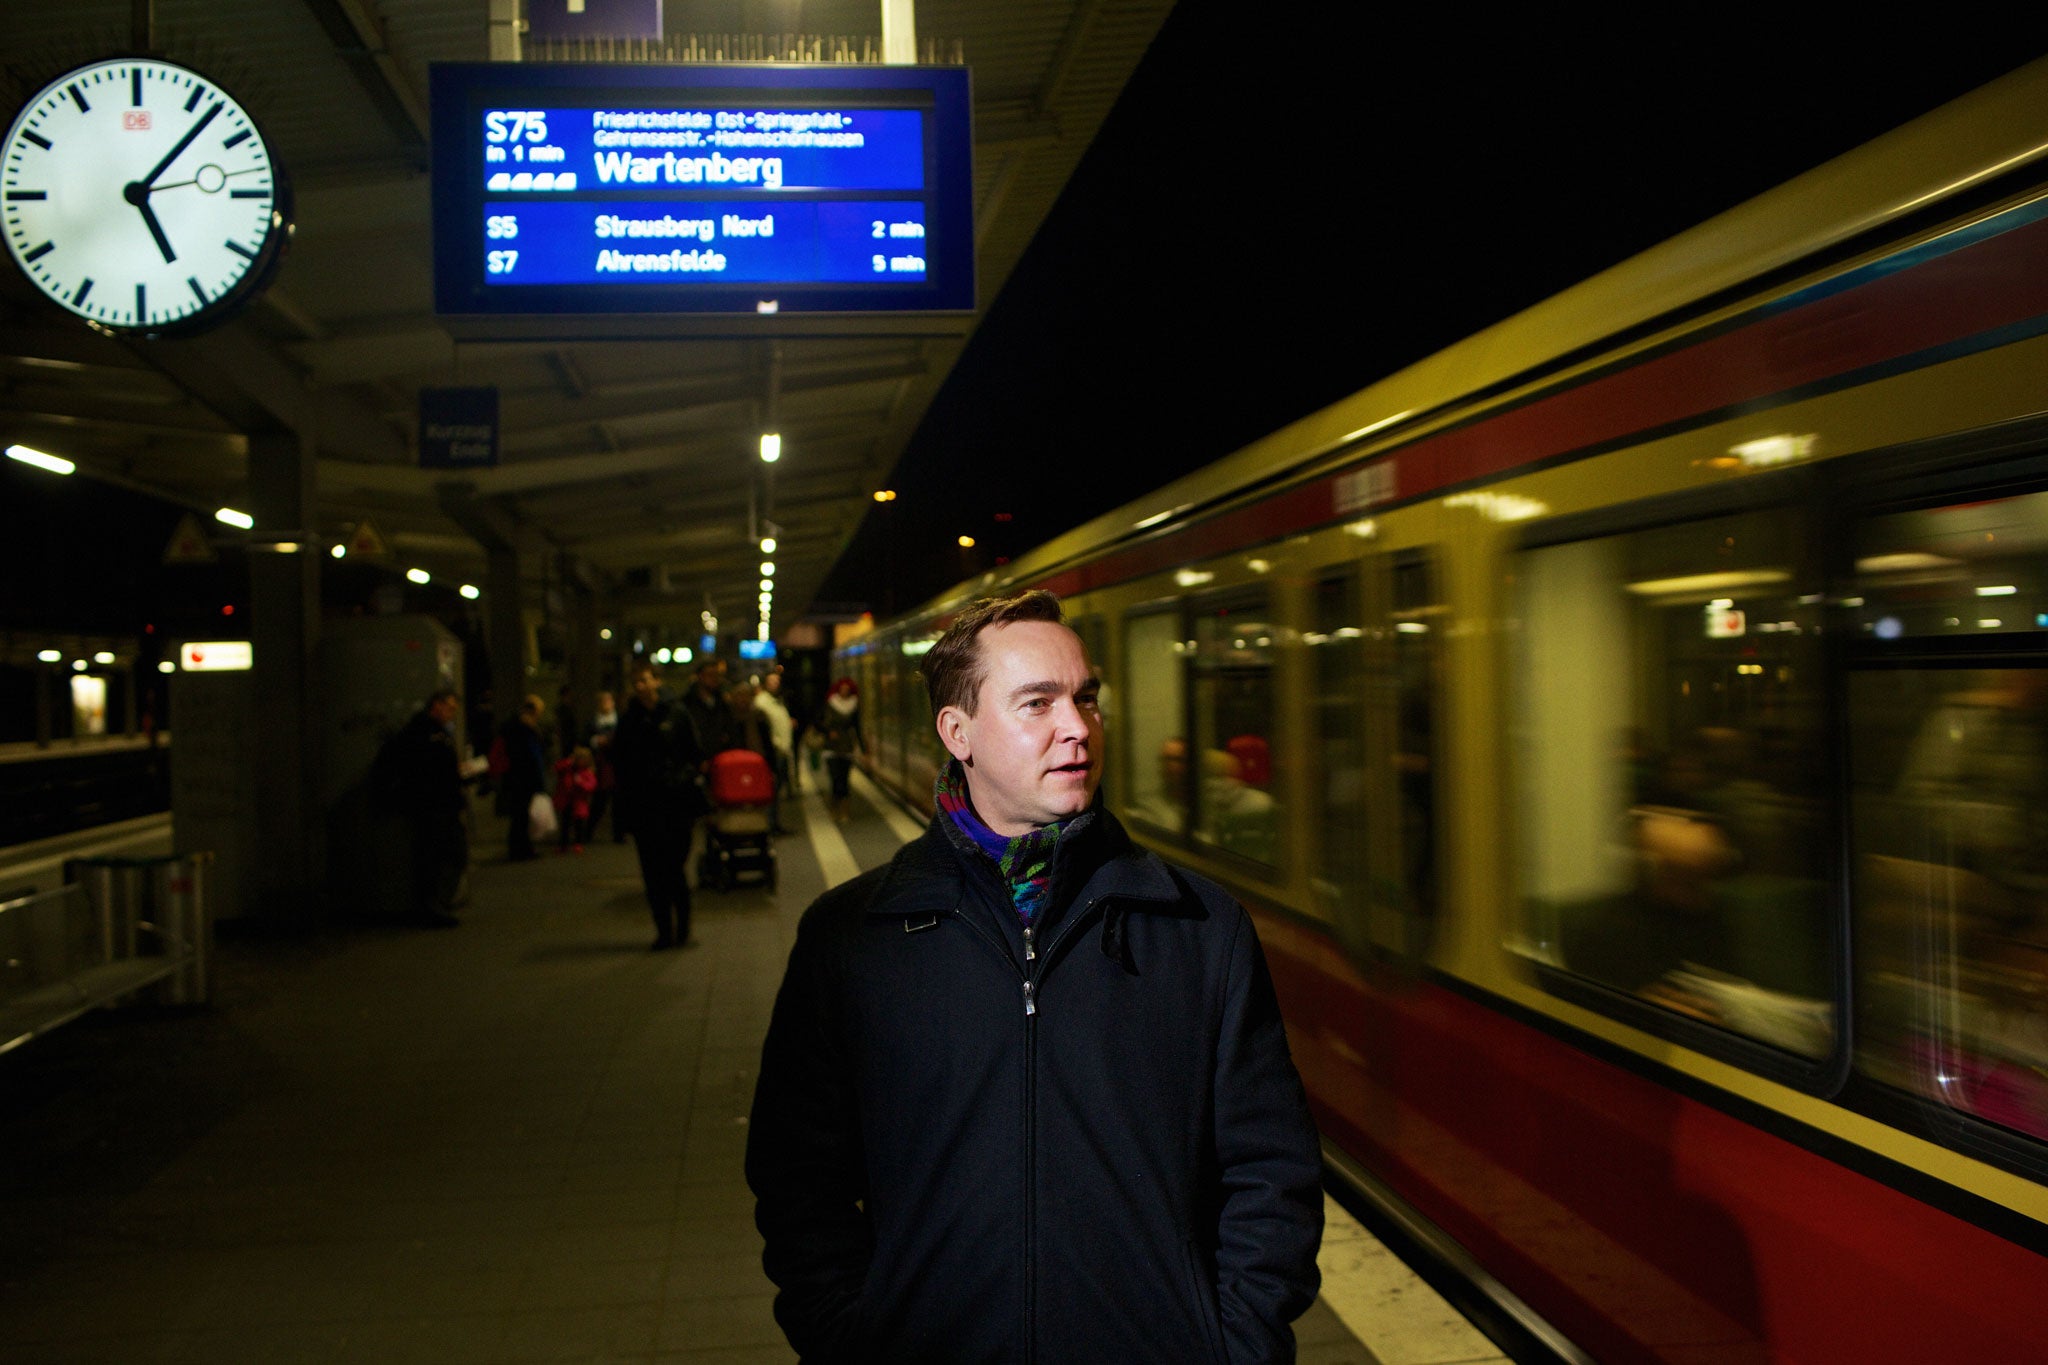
(1033, 747)
(711, 677)
(773, 682)
(443, 710)
(646, 688)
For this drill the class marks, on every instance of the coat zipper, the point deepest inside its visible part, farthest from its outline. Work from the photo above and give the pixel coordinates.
(1031, 976)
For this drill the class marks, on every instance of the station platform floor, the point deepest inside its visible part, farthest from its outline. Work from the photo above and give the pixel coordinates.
(519, 1139)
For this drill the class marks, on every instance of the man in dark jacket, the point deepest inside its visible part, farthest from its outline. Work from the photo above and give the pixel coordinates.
(418, 775)
(656, 757)
(1026, 1096)
(704, 702)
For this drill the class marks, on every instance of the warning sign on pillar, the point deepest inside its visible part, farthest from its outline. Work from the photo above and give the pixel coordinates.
(364, 542)
(188, 544)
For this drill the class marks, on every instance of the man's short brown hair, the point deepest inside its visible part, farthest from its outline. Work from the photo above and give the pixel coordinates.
(953, 670)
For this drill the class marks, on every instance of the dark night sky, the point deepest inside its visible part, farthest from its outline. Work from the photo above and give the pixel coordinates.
(1272, 219)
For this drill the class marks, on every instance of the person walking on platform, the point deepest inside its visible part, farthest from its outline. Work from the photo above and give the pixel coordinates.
(840, 737)
(525, 777)
(781, 741)
(418, 775)
(660, 794)
(1025, 1095)
(706, 706)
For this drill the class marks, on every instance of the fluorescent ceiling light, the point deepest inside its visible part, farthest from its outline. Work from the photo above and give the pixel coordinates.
(1997, 590)
(419, 575)
(234, 518)
(56, 464)
(771, 447)
(472, 592)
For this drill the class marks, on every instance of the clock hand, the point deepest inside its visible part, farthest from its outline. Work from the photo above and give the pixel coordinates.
(186, 141)
(195, 180)
(156, 230)
(136, 192)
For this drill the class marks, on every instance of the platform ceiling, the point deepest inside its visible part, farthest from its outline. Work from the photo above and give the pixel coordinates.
(631, 463)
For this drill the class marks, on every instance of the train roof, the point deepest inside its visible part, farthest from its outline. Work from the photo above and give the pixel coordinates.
(1875, 191)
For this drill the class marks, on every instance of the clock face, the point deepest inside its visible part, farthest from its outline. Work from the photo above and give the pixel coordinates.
(140, 196)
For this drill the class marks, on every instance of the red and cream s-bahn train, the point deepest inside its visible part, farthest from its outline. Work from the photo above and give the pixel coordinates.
(1629, 728)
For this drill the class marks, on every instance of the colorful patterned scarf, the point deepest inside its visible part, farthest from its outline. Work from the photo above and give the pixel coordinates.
(1025, 862)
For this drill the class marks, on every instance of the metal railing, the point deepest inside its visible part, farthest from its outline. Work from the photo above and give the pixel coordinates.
(118, 927)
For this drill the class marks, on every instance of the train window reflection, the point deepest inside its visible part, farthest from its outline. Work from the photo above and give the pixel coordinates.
(1236, 807)
(1950, 798)
(1672, 808)
(1972, 570)
(1155, 737)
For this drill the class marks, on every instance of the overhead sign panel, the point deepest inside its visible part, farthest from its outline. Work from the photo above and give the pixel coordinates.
(596, 189)
(458, 427)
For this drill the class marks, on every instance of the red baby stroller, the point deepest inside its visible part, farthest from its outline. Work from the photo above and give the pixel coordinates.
(736, 839)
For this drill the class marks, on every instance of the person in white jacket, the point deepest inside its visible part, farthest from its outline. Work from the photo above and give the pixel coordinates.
(782, 737)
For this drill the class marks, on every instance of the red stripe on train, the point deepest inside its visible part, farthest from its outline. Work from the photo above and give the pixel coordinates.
(1644, 1225)
(1997, 282)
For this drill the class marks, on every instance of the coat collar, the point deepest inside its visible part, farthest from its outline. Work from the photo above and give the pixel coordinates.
(929, 874)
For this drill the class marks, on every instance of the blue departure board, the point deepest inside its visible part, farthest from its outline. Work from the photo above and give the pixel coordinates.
(595, 189)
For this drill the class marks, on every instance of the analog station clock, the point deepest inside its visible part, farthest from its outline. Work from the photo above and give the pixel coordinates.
(140, 196)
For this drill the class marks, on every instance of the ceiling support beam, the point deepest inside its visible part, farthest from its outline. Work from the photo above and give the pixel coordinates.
(358, 36)
(240, 376)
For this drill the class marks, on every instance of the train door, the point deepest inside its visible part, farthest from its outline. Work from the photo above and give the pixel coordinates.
(1375, 646)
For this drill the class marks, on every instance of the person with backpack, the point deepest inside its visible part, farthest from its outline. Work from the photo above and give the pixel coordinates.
(659, 791)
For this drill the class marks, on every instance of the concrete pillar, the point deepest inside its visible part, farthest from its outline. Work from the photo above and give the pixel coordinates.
(584, 664)
(284, 626)
(505, 635)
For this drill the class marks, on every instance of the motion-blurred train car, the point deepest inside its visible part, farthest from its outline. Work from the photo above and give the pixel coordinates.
(1630, 729)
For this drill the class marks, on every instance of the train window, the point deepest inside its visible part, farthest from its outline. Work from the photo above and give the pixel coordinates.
(1949, 806)
(1232, 665)
(1155, 743)
(1972, 572)
(1672, 811)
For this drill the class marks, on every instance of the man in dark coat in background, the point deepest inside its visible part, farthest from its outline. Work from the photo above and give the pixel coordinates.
(705, 703)
(525, 776)
(418, 774)
(1026, 1097)
(658, 760)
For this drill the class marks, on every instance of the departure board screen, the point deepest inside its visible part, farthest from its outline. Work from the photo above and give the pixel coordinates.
(593, 189)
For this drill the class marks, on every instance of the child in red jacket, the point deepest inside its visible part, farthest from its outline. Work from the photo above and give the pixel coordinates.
(575, 785)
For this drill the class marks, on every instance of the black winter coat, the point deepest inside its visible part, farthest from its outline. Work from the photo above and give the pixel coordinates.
(1115, 1165)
